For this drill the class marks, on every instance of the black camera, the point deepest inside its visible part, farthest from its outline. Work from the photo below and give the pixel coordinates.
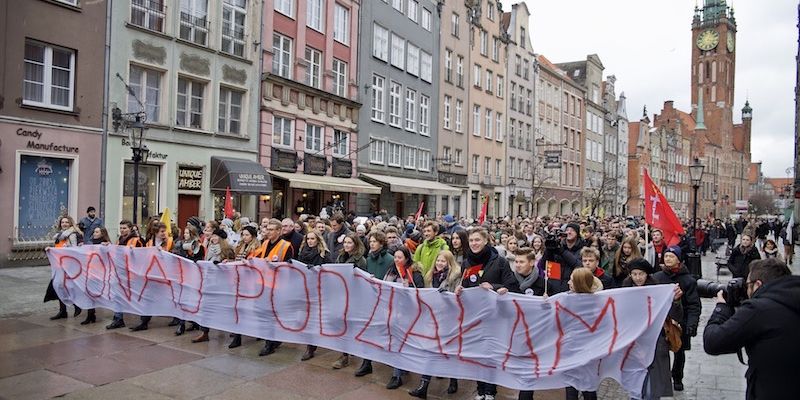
(552, 239)
(734, 291)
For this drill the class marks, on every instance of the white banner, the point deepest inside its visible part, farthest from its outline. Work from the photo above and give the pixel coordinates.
(516, 341)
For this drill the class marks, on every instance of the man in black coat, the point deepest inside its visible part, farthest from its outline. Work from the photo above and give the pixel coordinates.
(335, 238)
(292, 236)
(573, 242)
(561, 264)
(674, 271)
(766, 326)
(741, 257)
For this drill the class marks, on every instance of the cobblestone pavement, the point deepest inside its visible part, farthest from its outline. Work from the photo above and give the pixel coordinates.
(41, 359)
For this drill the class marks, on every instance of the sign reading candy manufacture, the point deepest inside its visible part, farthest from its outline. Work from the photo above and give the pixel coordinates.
(516, 341)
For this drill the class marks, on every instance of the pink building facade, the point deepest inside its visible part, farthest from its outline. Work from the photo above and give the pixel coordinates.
(309, 109)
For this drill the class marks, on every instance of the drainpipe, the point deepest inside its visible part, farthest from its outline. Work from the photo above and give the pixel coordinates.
(104, 147)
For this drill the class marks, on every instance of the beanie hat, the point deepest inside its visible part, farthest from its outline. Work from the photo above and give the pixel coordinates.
(574, 226)
(196, 222)
(220, 233)
(250, 229)
(449, 219)
(674, 250)
(640, 264)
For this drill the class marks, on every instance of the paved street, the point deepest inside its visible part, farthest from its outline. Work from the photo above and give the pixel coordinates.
(41, 359)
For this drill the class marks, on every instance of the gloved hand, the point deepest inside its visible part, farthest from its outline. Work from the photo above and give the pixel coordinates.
(691, 331)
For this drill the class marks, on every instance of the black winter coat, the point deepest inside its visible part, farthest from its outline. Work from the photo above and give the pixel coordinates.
(576, 248)
(766, 326)
(690, 301)
(568, 263)
(739, 262)
(311, 256)
(296, 239)
(496, 271)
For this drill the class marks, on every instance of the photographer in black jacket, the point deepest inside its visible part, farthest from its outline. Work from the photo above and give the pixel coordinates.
(561, 263)
(766, 326)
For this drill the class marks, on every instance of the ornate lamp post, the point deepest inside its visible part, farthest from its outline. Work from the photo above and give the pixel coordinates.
(134, 122)
(696, 176)
(512, 188)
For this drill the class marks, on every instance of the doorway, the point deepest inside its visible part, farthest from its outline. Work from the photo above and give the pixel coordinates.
(188, 206)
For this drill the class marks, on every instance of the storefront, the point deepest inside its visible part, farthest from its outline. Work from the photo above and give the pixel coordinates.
(297, 193)
(46, 172)
(189, 180)
(402, 196)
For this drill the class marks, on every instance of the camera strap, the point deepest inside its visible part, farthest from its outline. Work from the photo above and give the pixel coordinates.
(741, 358)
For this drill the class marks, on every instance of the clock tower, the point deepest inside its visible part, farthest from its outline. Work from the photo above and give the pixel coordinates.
(713, 69)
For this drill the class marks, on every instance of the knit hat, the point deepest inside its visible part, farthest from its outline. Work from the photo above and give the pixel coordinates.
(228, 222)
(250, 229)
(574, 226)
(640, 264)
(244, 221)
(674, 250)
(196, 222)
(449, 219)
(220, 233)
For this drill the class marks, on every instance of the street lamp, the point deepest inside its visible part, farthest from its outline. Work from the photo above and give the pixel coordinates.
(134, 122)
(512, 188)
(696, 176)
(714, 200)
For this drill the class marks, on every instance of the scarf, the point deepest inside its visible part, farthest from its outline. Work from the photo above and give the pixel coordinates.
(526, 282)
(771, 254)
(439, 277)
(374, 255)
(97, 240)
(213, 252)
(474, 263)
(308, 254)
(63, 235)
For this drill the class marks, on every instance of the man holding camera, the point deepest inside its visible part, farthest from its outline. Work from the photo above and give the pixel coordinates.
(766, 326)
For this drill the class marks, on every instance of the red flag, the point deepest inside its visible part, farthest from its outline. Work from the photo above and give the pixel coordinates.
(228, 203)
(659, 214)
(484, 211)
(419, 211)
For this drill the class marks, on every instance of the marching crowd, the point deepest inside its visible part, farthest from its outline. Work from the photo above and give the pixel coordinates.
(503, 255)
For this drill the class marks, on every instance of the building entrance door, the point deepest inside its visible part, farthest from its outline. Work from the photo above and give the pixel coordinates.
(188, 206)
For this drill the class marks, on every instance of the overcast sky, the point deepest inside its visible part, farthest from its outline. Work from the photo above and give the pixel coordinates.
(647, 45)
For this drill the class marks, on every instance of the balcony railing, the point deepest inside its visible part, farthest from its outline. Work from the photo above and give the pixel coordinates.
(148, 14)
(194, 28)
(233, 39)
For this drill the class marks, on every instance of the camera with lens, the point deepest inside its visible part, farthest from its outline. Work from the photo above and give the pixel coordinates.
(734, 291)
(552, 239)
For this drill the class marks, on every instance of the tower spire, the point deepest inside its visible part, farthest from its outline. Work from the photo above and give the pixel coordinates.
(700, 125)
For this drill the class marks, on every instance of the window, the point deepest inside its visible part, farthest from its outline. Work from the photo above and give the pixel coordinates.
(525, 69)
(489, 123)
(448, 65)
(487, 166)
(376, 149)
(476, 71)
(484, 42)
(285, 7)
(233, 18)
(377, 99)
(314, 12)
(424, 160)
(281, 55)
(339, 77)
(49, 76)
(190, 103)
(424, 115)
(454, 28)
(398, 51)
(459, 107)
(511, 164)
(518, 65)
(522, 38)
(341, 24)
(413, 7)
(341, 143)
(314, 67)
(398, 5)
(457, 157)
(411, 158)
(281, 131)
(230, 110)
(512, 133)
(500, 86)
(427, 67)
(148, 14)
(380, 42)
(412, 65)
(146, 84)
(395, 154)
(489, 84)
(411, 110)
(513, 104)
(194, 21)
(529, 104)
(460, 72)
(476, 120)
(475, 160)
(499, 127)
(395, 93)
(498, 167)
(314, 135)
(490, 9)
(447, 112)
(426, 19)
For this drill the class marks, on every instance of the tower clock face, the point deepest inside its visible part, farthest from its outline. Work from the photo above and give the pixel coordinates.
(708, 40)
(731, 42)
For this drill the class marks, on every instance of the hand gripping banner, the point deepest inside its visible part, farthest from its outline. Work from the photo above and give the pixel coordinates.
(516, 341)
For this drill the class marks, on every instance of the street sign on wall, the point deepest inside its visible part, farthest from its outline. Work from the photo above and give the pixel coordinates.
(552, 159)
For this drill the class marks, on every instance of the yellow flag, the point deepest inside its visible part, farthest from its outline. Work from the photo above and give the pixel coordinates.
(166, 219)
(586, 210)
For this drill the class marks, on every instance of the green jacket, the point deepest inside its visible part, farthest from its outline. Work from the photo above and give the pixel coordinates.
(427, 252)
(378, 263)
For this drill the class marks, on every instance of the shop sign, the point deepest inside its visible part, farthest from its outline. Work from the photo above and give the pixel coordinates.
(314, 165)
(35, 144)
(153, 155)
(552, 159)
(190, 178)
(342, 168)
(285, 161)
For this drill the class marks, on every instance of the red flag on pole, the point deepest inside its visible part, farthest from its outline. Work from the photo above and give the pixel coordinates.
(659, 214)
(484, 211)
(419, 211)
(228, 203)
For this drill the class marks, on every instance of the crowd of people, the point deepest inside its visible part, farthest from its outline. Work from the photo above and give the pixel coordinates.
(503, 255)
